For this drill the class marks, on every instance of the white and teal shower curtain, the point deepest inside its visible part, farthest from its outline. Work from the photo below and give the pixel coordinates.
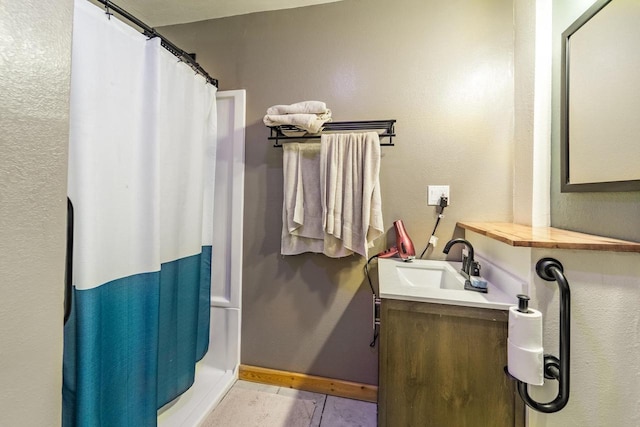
(141, 159)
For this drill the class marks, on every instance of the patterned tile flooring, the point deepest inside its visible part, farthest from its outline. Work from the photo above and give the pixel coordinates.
(330, 411)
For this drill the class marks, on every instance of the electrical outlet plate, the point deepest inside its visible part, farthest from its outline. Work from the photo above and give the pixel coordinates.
(434, 192)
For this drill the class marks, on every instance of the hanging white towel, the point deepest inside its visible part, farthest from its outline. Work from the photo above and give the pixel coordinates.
(301, 165)
(303, 107)
(302, 229)
(349, 176)
(311, 123)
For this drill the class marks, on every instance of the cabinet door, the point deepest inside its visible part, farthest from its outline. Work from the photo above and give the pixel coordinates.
(443, 365)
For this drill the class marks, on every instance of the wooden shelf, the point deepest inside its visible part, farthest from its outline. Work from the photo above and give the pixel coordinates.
(547, 237)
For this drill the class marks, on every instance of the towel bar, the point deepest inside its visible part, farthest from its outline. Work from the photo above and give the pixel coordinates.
(556, 368)
(387, 126)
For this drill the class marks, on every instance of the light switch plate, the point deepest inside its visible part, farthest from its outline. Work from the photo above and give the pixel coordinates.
(434, 192)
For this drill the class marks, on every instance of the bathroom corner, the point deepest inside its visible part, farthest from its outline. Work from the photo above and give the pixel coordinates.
(604, 328)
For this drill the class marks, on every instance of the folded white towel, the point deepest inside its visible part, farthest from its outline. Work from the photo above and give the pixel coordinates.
(312, 123)
(349, 175)
(304, 107)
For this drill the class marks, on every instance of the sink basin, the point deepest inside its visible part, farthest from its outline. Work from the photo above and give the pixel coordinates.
(433, 274)
(436, 282)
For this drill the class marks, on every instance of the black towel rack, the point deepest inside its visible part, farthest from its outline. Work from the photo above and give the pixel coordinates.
(387, 126)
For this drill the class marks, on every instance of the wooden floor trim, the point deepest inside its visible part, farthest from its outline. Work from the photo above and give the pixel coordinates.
(330, 386)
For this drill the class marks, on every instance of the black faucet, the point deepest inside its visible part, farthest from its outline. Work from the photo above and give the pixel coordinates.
(468, 264)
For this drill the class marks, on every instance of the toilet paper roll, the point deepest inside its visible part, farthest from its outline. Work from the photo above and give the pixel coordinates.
(525, 329)
(525, 364)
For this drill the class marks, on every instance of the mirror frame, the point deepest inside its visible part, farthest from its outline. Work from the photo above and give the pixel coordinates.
(566, 185)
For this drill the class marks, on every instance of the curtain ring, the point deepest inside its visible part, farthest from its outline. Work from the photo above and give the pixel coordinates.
(107, 10)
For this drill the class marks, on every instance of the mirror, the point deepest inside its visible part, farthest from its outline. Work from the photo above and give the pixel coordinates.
(600, 101)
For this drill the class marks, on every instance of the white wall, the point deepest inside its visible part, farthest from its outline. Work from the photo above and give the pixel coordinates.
(605, 331)
(35, 54)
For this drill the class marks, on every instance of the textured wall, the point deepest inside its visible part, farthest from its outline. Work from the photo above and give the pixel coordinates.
(605, 332)
(35, 54)
(606, 214)
(605, 338)
(532, 118)
(444, 70)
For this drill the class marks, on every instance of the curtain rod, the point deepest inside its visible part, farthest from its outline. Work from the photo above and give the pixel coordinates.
(151, 33)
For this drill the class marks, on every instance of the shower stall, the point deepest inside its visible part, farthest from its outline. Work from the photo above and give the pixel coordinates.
(218, 370)
(156, 188)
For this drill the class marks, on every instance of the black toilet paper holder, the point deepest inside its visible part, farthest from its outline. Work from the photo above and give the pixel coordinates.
(555, 368)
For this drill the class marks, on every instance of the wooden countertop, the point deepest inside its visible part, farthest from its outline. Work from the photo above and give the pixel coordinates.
(547, 237)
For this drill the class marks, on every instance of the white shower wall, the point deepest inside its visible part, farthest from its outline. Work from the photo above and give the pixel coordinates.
(218, 370)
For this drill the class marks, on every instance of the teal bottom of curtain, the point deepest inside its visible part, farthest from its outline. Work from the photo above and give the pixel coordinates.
(130, 345)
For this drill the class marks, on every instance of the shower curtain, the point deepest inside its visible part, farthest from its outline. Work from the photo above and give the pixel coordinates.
(141, 171)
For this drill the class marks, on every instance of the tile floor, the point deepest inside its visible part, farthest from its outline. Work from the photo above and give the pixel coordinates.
(330, 411)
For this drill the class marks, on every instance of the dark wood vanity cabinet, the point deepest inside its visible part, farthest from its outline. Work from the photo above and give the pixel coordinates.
(443, 365)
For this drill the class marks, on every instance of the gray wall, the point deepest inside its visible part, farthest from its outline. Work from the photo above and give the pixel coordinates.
(444, 70)
(35, 57)
(606, 214)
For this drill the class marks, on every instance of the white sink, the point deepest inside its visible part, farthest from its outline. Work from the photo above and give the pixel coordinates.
(436, 282)
(433, 274)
